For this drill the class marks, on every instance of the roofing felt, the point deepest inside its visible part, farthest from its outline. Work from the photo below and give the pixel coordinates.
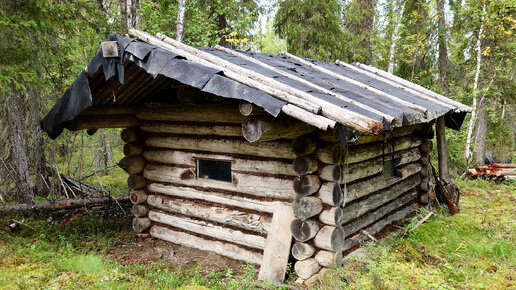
(145, 70)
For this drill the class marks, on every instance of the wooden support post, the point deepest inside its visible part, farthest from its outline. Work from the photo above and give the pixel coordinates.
(442, 149)
(277, 245)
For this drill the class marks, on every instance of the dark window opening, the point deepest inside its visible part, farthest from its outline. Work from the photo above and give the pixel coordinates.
(214, 169)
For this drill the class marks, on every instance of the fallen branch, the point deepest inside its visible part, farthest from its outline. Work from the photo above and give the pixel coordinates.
(63, 204)
(368, 235)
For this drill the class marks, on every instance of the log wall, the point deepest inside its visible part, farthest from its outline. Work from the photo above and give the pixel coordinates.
(172, 203)
(341, 192)
(335, 192)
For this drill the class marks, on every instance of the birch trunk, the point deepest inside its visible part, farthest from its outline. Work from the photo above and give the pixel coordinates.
(472, 121)
(395, 35)
(181, 7)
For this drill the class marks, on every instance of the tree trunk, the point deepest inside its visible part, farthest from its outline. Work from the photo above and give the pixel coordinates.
(444, 62)
(472, 121)
(397, 10)
(482, 124)
(181, 7)
(41, 181)
(19, 151)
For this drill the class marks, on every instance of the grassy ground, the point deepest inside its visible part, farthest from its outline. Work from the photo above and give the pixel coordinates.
(472, 250)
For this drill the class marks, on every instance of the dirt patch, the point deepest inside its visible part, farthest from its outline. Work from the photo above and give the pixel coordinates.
(148, 250)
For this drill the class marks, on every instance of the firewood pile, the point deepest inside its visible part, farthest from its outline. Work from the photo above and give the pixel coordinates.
(494, 171)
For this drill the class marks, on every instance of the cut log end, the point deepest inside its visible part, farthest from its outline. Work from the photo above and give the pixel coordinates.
(303, 231)
(140, 225)
(307, 207)
(306, 185)
(305, 165)
(302, 251)
(303, 146)
(136, 182)
(138, 196)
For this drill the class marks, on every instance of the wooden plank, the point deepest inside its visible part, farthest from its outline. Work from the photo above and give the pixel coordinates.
(237, 164)
(243, 147)
(277, 245)
(214, 213)
(208, 229)
(220, 198)
(224, 249)
(261, 186)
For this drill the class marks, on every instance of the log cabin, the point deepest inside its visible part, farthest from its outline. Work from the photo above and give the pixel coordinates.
(267, 159)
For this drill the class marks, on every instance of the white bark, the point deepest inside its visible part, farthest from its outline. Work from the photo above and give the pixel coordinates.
(181, 7)
(467, 151)
(395, 35)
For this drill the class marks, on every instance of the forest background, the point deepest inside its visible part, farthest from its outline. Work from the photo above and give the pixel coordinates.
(462, 49)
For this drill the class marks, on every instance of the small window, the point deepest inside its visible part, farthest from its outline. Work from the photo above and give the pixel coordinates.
(214, 169)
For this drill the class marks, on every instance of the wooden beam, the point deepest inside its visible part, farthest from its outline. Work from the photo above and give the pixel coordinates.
(218, 214)
(277, 245)
(442, 149)
(257, 129)
(208, 229)
(188, 240)
(216, 145)
(104, 121)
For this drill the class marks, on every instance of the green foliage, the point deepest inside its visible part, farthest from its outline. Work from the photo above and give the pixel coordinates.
(312, 28)
(270, 42)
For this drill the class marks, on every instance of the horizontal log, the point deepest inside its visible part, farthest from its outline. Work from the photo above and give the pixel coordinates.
(213, 213)
(331, 216)
(64, 204)
(303, 146)
(359, 153)
(265, 128)
(374, 184)
(191, 128)
(192, 113)
(102, 121)
(132, 165)
(108, 110)
(372, 167)
(376, 227)
(330, 193)
(139, 210)
(136, 181)
(208, 229)
(329, 154)
(220, 198)
(260, 186)
(307, 207)
(364, 221)
(427, 146)
(333, 137)
(305, 165)
(274, 149)
(302, 251)
(306, 268)
(141, 224)
(237, 164)
(330, 238)
(355, 210)
(189, 95)
(304, 230)
(224, 249)
(329, 259)
(425, 159)
(138, 196)
(306, 185)
(129, 135)
(133, 149)
(330, 172)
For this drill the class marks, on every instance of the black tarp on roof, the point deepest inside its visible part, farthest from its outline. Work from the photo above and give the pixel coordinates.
(161, 67)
